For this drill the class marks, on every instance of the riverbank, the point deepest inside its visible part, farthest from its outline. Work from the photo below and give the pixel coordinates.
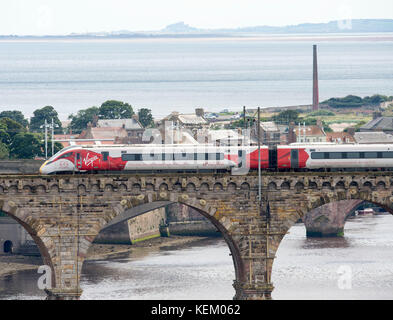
(14, 263)
(140, 249)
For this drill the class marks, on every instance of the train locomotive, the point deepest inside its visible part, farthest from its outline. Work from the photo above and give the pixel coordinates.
(180, 158)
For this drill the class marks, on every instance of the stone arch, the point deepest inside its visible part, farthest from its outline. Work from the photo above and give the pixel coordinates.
(367, 185)
(109, 187)
(326, 185)
(95, 188)
(27, 190)
(354, 184)
(122, 187)
(34, 229)
(149, 187)
(190, 187)
(315, 201)
(204, 187)
(54, 188)
(285, 185)
(381, 185)
(177, 187)
(199, 206)
(340, 185)
(272, 186)
(13, 189)
(312, 185)
(81, 189)
(299, 186)
(217, 187)
(245, 186)
(40, 189)
(136, 188)
(231, 187)
(163, 187)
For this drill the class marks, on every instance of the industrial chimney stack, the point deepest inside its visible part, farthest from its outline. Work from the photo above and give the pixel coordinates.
(315, 100)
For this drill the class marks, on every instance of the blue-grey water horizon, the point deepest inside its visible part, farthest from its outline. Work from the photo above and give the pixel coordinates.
(181, 75)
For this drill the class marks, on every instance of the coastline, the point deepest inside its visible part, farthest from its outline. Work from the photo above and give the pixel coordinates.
(10, 264)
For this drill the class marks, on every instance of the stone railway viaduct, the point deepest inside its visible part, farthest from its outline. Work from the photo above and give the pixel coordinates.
(64, 214)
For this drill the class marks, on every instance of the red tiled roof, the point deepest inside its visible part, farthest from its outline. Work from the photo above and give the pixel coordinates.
(310, 131)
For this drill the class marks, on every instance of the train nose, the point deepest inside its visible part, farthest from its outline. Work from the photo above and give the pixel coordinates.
(43, 168)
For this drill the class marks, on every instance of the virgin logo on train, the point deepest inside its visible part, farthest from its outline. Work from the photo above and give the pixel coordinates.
(89, 161)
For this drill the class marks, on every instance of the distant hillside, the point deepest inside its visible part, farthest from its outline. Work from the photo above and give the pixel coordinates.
(356, 26)
(180, 29)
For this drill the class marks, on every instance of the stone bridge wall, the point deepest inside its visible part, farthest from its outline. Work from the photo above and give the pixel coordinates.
(64, 214)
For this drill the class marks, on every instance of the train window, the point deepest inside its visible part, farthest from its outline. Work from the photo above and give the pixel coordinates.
(317, 155)
(335, 155)
(184, 156)
(206, 156)
(371, 155)
(105, 155)
(131, 157)
(123, 151)
(219, 156)
(167, 156)
(78, 156)
(387, 155)
(66, 155)
(353, 155)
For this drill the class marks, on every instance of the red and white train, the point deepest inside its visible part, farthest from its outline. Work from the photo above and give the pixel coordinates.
(96, 158)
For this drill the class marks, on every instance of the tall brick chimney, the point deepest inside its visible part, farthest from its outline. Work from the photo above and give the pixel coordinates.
(315, 100)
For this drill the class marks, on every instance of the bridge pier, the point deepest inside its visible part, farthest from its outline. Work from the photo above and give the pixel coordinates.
(63, 294)
(329, 219)
(245, 292)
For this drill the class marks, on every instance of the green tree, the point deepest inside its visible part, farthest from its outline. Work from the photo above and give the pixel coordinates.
(26, 145)
(145, 117)
(16, 116)
(4, 151)
(39, 117)
(82, 118)
(8, 129)
(286, 117)
(113, 109)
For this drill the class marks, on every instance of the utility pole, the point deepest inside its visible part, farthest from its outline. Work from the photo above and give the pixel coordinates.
(46, 139)
(53, 138)
(259, 157)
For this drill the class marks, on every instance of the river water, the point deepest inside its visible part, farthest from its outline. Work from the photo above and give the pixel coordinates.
(304, 269)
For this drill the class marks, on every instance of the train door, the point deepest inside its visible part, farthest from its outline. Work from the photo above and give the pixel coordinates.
(294, 158)
(105, 165)
(273, 157)
(78, 161)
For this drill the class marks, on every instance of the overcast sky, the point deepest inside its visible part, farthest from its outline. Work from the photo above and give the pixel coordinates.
(38, 17)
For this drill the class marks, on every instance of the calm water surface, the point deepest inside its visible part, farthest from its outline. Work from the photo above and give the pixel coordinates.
(168, 75)
(304, 269)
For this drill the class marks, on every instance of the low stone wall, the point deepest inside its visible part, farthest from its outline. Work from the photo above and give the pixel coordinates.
(27, 166)
(146, 226)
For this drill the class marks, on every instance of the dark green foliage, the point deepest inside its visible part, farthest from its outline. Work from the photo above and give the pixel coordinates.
(145, 117)
(16, 116)
(240, 123)
(286, 117)
(4, 152)
(356, 102)
(82, 118)
(113, 109)
(321, 113)
(39, 117)
(26, 145)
